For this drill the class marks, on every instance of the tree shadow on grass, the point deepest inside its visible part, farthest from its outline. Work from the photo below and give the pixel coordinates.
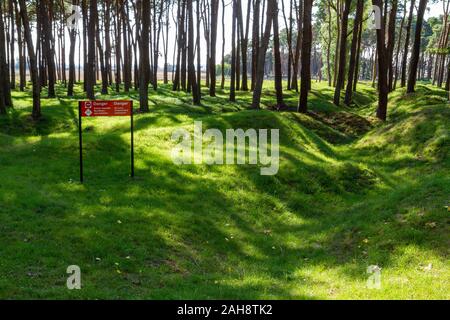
(198, 231)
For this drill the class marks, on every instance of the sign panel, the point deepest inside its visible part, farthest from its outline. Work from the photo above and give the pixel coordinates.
(105, 108)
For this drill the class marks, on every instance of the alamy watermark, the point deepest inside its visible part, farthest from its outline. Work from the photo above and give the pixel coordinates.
(192, 150)
(74, 280)
(74, 18)
(374, 280)
(374, 22)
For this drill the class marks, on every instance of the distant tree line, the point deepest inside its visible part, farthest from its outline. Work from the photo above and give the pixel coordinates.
(122, 44)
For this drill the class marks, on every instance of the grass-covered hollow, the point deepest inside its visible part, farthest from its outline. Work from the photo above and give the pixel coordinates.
(350, 192)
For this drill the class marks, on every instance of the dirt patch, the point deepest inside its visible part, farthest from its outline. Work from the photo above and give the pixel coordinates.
(343, 121)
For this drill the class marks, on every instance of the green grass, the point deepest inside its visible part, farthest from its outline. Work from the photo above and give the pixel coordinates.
(351, 192)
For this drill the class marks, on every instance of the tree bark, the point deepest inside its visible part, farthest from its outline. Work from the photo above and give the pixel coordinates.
(126, 47)
(91, 78)
(144, 64)
(222, 84)
(118, 47)
(213, 44)
(412, 78)
(21, 47)
(73, 38)
(342, 53)
(191, 64)
(391, 42)
(5, 87)
(36, 112)
(49, 51)
(398, 46)
(12, 64)
(176, 80)
(358, 56)
(353, 52)
(329, 47)
(277, 58)
(271, 8)
(382, 68)
(233, 55)
(408, 35)
(244, 41)
(255, 41)
(306, 57)
(101, 54)
(294, 81)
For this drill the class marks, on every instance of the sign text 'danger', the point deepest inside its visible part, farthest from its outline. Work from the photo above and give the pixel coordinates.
(105, 108)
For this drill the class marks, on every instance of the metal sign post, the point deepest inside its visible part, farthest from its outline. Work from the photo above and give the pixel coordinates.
(132, 140)
(80, 135)
(104, 109)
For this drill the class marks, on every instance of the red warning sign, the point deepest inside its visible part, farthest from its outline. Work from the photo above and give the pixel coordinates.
(105, 108)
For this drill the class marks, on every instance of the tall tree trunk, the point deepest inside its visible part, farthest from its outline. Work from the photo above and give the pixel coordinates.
(183, 47)
(46, 8)
(342, 52)
(329, 46)
(191, 64)
(444, 44)
(399, 45)
(101, 54)
(62, 48)
(5, 87)
(353, 52)
(91, 78)
(412, 78)
(238, 57)
(277, 58)
(126, 47)
(177, 76)
(222, 85)
(288, 27)
(391, 42)
(73, 38)
(233, 54)
(294, 81)
(358, 56)
(338, 40)
(198, 48)
(144, 64)
(375, 68)
(118, 47)
(137, 32)
(382, 68)
(255, 41)
(271, 9)
(213, 44)
(12, 57)
(107, 11)
(21, 47)
(206, 17)
(40, 45)
(243, 34)
(36, 112)
(408, 35)
(306, 57)
(447, 82)
(166, 46)
(157, 36)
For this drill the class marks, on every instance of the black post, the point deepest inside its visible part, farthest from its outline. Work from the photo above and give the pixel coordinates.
(81, 141)
(132, 141)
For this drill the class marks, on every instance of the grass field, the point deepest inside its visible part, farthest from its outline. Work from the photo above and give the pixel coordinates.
(351, 192)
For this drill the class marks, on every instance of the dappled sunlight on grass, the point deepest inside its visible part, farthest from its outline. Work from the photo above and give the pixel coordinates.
(349, 193)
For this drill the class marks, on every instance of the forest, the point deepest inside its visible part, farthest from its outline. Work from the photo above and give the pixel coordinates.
(358, 91)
